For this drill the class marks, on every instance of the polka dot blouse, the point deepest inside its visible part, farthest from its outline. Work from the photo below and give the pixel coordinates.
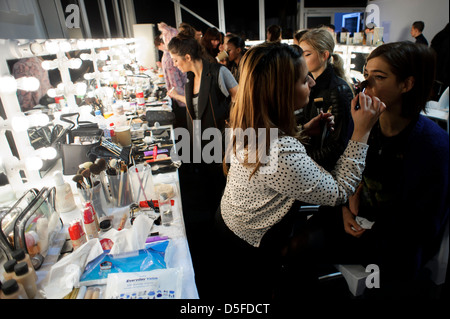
(250, 207)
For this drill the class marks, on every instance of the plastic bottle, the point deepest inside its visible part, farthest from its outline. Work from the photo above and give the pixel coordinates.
(140, 97)
(89, 223)
(9, 269)
(25, 277)
(64, 200)
(112, 132)
(101, 122)
(77, 234)
(21, 256)
(11, 289)
(165, 209)
(97, 223)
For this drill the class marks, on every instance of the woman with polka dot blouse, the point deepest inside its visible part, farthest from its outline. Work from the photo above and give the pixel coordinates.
(253, 221)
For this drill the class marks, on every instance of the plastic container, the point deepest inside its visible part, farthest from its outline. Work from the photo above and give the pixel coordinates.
(64, 200)
(20, 256)
(89, 223)
(102, 124)
(24, 276)
(77, 234)
(165, 209)
(11, 289)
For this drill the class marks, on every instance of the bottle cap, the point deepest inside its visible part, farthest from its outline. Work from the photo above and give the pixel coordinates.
(98, 112)
(58, 177)
(88, 215)
(18, 254)
(21, 268)
(10, 286)
(9, 265)
(105, 225)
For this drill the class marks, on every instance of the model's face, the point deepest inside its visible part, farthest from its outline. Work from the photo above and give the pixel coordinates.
(233, 52)
(303, 87)
(314, 60)
(180, 62)
(215, 43)
(382, 83)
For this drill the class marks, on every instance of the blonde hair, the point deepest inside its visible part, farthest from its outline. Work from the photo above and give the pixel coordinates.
(321, 40)
(265, 97)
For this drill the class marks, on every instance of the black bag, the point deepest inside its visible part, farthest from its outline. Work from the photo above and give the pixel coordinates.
(162, 117)
(75, 154)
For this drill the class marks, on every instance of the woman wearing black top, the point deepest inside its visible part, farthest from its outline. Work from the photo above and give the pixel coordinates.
(330, 94)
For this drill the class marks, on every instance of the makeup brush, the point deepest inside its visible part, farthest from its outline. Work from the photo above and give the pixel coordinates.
(101, 163)
(87, 176)
(95, 169)
(79, 180)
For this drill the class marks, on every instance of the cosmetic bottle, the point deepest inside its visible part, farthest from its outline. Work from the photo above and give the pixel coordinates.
(9, 269)
(20, 256)
(11, 289)
(25, 277)
(64, 200)
(89, 223)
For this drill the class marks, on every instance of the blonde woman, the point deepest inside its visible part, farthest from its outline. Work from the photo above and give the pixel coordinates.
(253, 222)
(331, 94)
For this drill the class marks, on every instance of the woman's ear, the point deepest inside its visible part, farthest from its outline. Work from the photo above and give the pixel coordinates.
(187, 58)
(326, 55)
(408, 84)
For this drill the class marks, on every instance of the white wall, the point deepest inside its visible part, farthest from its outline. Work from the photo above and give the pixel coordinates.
(397, 16)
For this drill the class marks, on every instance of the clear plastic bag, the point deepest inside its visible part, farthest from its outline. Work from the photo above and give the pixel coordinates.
(98, 270)
(31, 224)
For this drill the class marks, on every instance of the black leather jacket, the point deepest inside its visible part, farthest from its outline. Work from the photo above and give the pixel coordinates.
(337, 96)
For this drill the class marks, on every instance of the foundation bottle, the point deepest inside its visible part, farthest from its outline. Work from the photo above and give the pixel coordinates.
(20, 256)
(25, 277)
(9, 269)
(11, 289)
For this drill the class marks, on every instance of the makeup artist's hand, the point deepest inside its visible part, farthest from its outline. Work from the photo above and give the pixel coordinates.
(314, 127)
(366, 116)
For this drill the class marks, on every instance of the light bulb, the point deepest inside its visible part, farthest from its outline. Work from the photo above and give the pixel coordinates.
(33, 163)
(28, 83)
(49, 65)
(8, 84)
(52, 93)
(102, 56)
(47, 153)
(20, 123)
(75, 63)
(52, 47)
(60, 86)
(65, 46)
(39, 119)
(89, 76)
(85, 56)
(81, 88)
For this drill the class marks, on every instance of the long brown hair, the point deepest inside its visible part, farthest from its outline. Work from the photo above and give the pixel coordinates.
(266, 95)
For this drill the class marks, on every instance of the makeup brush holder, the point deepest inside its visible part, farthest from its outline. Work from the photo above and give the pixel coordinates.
(142, 183)
(120, 187)
(95, 195)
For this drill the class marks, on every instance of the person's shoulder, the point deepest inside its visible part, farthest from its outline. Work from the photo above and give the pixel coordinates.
(431, 135)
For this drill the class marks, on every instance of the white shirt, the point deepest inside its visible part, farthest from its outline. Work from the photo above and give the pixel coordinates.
(251, 207)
